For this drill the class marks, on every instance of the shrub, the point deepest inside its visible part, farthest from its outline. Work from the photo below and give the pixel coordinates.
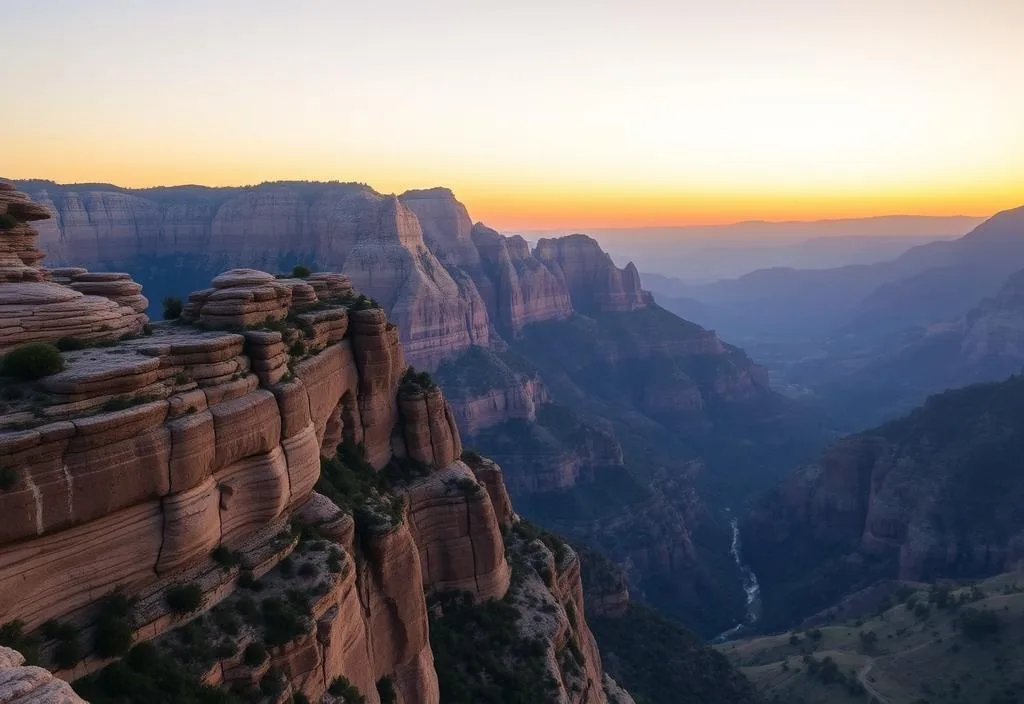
(7, 222)
(185, 598)
(247, 609)
(414, 382)
(472, 458)
(467, 486)
(247, 581)
(225, 621)
(281, 623)
(300, 698)
(12, 635)
(386, 691)
(225, 649)
(297, 349)
(172, 308)
(114, 631)
(226, 558)
(8, 478)
(271, 685)
(67, 653)
(301, 272)
(254, 655)
(32, 362)
(344, 689)
(147, 329)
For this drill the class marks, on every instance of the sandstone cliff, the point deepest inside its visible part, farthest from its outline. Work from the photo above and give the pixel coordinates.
(171, 468)
(445, 282)
(554, 360)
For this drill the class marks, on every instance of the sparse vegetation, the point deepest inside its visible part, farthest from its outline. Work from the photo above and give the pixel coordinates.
(226, 557)
(354, 485)
(114, 626)
(346, 691)
(31, 362)
(148, 674)
(480, 655)
(363, 302)
(12, 635)
(68, 651)
(172, 308)
(414, 382)
(301, 272)
(185, 598)
(386, 691)
(254, 654)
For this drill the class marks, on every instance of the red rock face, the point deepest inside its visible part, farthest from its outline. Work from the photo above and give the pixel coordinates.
(153, 452)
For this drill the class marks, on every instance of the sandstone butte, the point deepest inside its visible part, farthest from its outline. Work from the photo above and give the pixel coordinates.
(157, 445)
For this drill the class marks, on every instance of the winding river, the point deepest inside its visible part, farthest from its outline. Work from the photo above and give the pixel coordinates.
(750, 587)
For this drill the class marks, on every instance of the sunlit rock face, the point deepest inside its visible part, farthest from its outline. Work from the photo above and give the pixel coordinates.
(157, 445)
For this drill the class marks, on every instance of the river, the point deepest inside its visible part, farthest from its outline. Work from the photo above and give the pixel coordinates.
(750, 587)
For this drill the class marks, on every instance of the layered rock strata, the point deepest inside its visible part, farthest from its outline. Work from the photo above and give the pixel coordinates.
(133, 465)
(446, 283)
(90, 307)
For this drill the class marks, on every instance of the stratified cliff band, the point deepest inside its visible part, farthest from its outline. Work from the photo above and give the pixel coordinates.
(262, 493)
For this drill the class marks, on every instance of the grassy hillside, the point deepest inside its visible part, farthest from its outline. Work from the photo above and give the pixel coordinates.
(929, 645)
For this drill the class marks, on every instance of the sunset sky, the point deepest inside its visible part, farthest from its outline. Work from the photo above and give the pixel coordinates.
(538, 114)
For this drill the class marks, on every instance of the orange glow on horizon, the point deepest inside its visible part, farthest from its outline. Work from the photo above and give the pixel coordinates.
(538, 115)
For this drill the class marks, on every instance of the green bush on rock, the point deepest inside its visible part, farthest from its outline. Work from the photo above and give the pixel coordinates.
(32, 362)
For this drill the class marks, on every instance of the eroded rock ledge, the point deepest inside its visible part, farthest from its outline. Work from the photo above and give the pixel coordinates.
(163, 483)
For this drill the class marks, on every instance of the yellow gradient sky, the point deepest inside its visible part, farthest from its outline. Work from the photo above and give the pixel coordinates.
(537, 114)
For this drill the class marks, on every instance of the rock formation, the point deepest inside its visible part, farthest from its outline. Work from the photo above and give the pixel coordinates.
(176, 459)
(929, 496)
(33, 309)
(594, 282)
(546, 355)
(31, 685)
(446, 283)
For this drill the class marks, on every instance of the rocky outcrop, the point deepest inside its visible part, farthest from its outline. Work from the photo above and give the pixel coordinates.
(446, 283)
(91, 307)
(476, 412)
(31, 685)
(457, 529)
(517, 287)
(593, 280)
(572, 329)
(163, 461)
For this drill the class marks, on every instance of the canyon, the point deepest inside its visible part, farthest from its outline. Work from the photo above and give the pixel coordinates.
(931, 496)
(271, 444)
(604, 410)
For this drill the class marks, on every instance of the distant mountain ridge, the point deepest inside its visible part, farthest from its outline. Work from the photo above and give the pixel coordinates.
(860, 305)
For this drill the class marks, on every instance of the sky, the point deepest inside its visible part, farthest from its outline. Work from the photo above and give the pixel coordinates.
(538, 114)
